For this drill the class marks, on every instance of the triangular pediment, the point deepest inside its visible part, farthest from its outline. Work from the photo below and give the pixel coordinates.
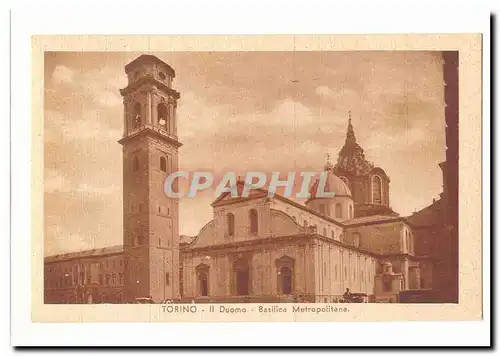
(229, 197)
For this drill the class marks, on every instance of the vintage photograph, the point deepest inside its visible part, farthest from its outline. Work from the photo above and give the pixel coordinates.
(192, 177)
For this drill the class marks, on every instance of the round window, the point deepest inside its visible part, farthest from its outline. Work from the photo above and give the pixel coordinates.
(162, 76)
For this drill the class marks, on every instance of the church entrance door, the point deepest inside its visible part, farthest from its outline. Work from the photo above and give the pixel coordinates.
(242, 277)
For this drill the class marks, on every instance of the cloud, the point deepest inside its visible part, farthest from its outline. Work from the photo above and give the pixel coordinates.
(325, 91)
(54, 181)
(109, 99)
(97, 190)
(62, 75)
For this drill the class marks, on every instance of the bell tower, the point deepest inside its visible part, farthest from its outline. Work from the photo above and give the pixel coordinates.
(150, 154)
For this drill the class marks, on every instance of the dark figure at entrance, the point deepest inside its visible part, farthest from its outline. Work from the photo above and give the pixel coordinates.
(347, 296)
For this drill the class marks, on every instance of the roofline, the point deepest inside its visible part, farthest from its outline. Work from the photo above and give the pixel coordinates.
(283, 238)
(148, 58)
(377, 222)
(336, 196)
(149, 80)
(149, 130)
(240, 199)
(69, 258)
(306, 209)
(218, 202)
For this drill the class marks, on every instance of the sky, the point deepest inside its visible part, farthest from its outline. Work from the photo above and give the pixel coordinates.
(238, 111)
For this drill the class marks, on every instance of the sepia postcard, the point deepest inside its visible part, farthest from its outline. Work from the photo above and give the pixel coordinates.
(256, 178)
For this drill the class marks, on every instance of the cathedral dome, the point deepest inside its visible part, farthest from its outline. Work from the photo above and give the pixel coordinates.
(333, 185)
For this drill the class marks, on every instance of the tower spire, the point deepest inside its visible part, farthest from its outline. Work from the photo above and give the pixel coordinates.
(328, 164)
(350, 137)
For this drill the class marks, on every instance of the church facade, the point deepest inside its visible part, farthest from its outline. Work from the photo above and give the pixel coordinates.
(255, 249)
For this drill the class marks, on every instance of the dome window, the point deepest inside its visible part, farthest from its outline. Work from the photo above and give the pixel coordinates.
(338, 211)
(376, 190)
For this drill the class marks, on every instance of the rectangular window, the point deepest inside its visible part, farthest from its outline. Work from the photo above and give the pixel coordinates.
(167, 279)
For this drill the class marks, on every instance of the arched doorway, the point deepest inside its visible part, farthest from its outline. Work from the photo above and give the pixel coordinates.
(241, 271)
(202, 274)
(203, 283)
(285, 277)
(284, 268)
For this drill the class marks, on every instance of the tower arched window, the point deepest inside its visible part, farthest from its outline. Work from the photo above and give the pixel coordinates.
(350, 212)
(376, 190)
(254, 222)
(163, 116)
(163, 164)
(137, 118)
(338, 211)
(230, 224)
(135, 164)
